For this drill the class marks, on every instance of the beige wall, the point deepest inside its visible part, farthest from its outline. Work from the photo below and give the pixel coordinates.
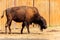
(55, 12)
(42, 5)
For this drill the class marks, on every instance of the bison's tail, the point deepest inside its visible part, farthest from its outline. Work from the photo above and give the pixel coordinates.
(2, 15)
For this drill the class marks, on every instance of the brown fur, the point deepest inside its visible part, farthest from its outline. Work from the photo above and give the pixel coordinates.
(20, 14)
(25, 14)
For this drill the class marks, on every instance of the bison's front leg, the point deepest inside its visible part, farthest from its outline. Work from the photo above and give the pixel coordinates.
(27, 26)
(23, 25)
(28, 29)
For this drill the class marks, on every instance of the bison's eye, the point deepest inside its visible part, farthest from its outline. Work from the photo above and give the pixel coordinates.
(45, 26)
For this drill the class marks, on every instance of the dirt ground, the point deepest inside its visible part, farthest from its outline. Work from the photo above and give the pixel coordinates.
(51, 33)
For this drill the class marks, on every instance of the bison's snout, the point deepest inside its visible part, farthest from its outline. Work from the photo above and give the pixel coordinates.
(45, 27)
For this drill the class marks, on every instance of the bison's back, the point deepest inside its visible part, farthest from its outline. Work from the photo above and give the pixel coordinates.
(23, 13)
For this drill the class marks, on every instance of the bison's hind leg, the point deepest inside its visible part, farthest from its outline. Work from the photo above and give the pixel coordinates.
(8, 24)
(27, 26)
(6, 28)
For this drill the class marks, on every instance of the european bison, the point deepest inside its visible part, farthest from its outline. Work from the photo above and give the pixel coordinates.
(25, 14)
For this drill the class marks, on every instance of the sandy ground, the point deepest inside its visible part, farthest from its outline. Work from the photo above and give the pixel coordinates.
(51, 33)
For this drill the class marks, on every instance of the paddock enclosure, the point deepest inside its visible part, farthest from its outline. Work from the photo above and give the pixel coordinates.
(49, 9)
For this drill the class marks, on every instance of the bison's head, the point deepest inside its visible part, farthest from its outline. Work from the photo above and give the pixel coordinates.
(42, 23)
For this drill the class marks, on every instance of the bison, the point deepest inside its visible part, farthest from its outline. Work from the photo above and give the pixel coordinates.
(26, 15)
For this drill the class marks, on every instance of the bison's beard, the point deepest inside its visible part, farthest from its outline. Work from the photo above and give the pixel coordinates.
(42, 27)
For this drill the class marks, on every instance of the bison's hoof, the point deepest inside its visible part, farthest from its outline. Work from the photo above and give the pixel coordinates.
(21, 33)
(9, 33)
(28, 32)
(5, 32)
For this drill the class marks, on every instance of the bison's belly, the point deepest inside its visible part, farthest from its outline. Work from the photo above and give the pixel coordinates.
(18, 20)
